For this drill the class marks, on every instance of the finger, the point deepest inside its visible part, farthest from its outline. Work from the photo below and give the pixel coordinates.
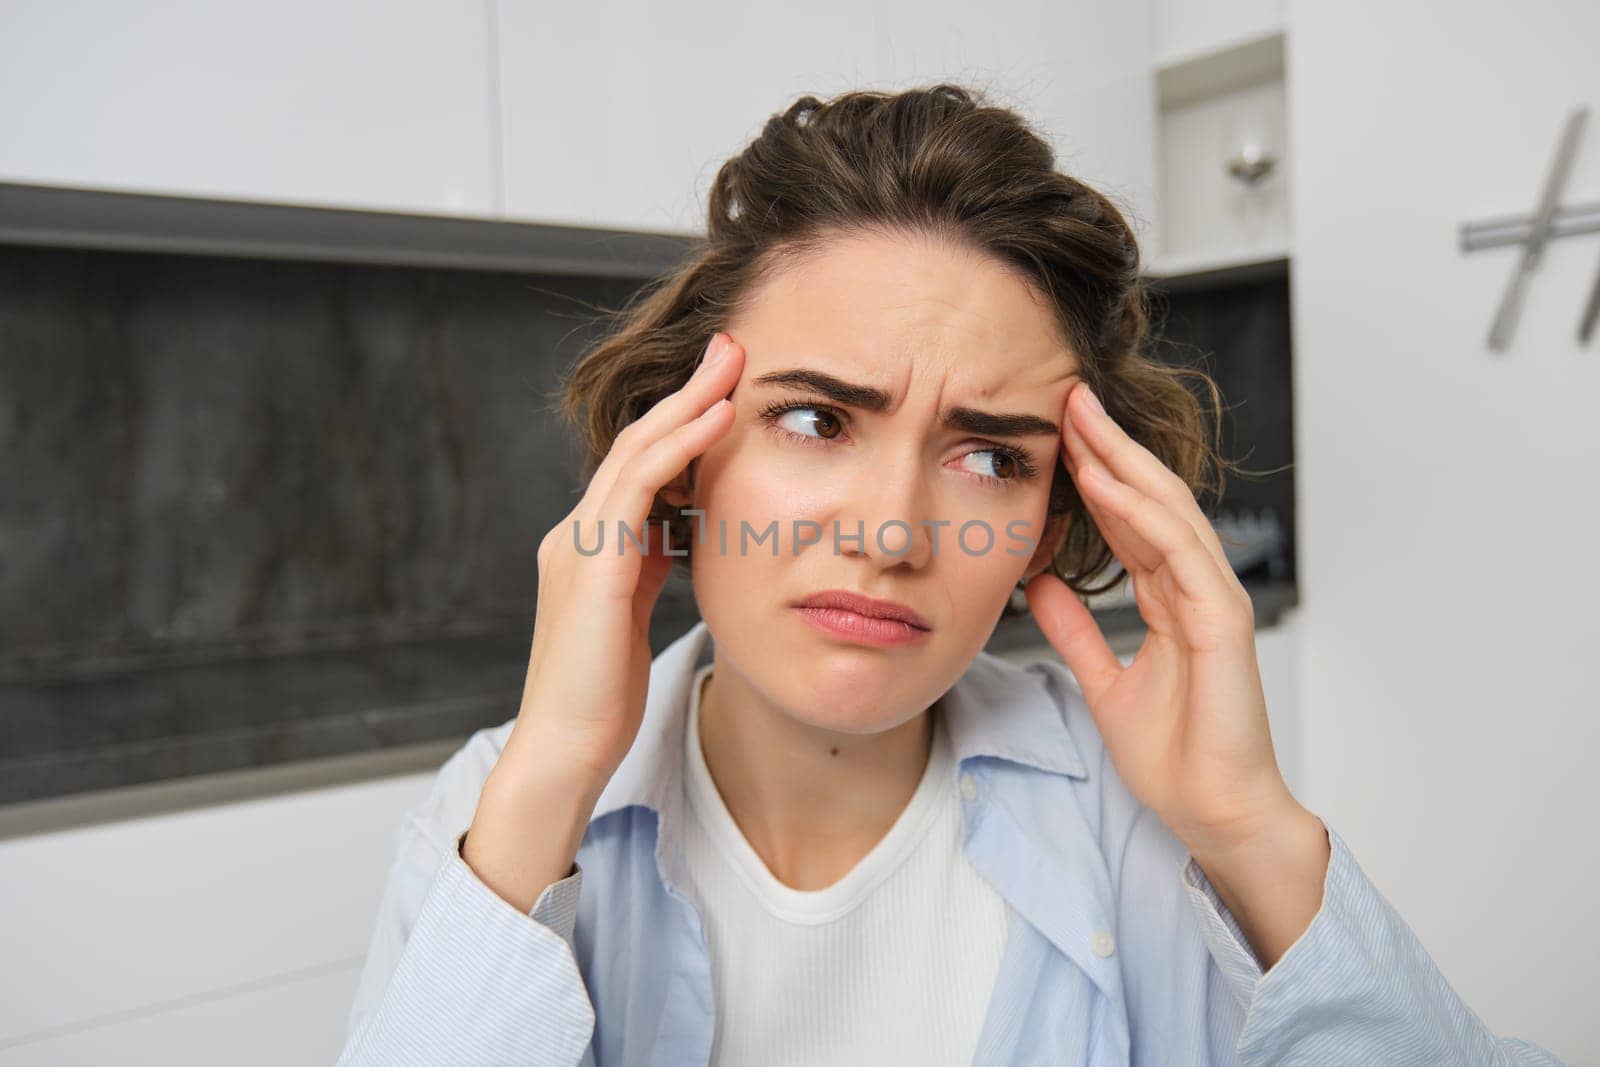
(1183, 554)
(712, 380)
(636, 485)
(1135, 465)
(653, 573)
(1070, 627)
(1131, 550)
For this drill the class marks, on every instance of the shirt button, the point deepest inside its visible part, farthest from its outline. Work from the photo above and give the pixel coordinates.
(1103, 943)
(969, 787)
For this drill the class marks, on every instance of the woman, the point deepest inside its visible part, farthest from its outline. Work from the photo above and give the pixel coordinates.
(824, 826)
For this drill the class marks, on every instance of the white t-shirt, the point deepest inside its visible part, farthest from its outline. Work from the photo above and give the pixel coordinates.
(894, 963)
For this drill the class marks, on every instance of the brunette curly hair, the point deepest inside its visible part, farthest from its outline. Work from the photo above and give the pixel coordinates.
(939, 160)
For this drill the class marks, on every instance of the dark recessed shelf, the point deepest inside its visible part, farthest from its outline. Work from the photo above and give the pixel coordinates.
(53, 216)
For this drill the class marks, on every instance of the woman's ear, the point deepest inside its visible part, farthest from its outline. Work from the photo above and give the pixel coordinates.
(1055, 531)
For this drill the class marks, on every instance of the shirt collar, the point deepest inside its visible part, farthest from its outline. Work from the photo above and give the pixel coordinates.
(996, 708)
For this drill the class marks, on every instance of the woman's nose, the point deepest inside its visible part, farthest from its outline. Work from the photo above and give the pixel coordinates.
(887, 508)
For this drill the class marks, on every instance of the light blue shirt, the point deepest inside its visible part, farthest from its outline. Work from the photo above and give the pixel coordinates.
(1118, 949)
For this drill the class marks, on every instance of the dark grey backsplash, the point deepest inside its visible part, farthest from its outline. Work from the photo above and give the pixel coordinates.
(259, 511)
(1238, 332)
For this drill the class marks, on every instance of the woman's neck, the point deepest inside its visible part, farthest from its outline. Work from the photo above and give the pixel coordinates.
(811, 801)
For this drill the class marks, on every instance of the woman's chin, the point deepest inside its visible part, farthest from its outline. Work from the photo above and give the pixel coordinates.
(849, 689)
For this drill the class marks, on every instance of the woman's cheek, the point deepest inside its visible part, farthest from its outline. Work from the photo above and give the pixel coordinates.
(753, 492)
(985, 541)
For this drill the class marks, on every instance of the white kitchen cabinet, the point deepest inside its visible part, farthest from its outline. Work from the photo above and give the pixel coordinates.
(619, 114)
(379, 104)
(1447, 495)
(229, 934)
(1220, 111)
(611, 115)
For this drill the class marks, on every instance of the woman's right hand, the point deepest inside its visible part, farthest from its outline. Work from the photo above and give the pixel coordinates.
(589, 669)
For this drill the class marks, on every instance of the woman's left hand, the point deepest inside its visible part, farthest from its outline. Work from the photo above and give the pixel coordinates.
(1186, 722)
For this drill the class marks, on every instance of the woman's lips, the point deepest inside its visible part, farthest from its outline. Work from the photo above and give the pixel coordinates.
(862, 629)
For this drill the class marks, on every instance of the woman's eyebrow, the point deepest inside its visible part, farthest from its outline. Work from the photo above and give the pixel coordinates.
(868, 398)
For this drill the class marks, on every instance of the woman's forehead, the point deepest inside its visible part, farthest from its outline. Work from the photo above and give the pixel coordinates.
(888, 305)
(897, 358)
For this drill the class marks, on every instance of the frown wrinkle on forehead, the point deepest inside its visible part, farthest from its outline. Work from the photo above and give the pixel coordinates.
(897, 314)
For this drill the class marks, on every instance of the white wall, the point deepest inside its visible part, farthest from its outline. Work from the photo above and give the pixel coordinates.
(1448, 496)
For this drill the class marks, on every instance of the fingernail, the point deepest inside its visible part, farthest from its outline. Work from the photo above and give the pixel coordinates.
(1092, 400)
(719, 348)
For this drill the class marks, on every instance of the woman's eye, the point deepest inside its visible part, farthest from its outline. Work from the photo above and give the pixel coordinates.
(998, 464)
(814, 422)
(804, 421)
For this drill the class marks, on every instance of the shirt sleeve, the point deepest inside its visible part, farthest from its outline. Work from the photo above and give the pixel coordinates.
(1356, 987)
(456, 975)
